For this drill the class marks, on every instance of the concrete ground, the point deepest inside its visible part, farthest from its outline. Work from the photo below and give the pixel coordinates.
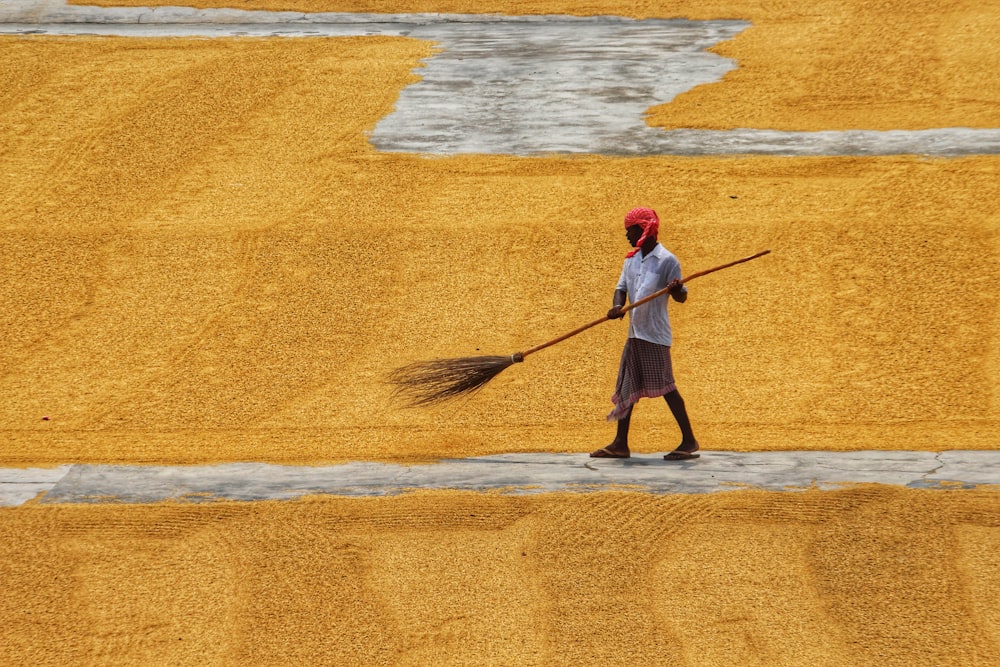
(509, 473)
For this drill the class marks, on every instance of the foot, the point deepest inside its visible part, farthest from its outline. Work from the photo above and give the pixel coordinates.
(612, 451)
(684, 452)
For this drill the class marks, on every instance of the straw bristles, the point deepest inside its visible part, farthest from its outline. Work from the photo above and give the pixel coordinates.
(430, 382)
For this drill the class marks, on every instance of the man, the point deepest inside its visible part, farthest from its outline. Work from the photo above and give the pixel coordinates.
(645, 369)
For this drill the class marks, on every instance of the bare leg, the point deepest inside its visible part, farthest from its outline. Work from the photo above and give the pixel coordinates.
(688, 444)
(619, 446)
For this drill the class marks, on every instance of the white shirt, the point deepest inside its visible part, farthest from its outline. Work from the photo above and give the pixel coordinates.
(641, 276)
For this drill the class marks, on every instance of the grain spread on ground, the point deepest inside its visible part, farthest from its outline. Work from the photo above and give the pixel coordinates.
(870, 575)
(204, 260)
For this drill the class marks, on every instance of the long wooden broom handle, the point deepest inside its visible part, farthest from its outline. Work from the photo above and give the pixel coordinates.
(630, 306)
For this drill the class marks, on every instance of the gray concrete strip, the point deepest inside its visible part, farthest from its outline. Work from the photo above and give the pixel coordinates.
(521, 85)
(715, 471)
(967, 467)
(19, 485)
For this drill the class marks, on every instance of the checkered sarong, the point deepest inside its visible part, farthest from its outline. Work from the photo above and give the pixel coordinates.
(645, 372)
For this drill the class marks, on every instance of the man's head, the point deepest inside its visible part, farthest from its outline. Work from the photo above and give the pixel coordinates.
(641, 225)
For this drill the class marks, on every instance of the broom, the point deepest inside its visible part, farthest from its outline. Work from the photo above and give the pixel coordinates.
(438, 380)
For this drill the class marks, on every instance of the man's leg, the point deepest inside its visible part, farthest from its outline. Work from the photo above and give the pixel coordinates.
(688, 443)
(619, 446)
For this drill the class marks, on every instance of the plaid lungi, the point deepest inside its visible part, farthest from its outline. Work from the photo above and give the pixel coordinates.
(645, 372)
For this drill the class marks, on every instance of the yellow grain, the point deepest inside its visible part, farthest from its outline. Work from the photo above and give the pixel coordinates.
(204, 260)
(869, 575)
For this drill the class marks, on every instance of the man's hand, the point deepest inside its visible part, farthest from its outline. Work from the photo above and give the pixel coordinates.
(676, 289)
(615, 313)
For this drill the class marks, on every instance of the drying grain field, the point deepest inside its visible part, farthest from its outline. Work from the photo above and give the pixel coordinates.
(866, 576)
(204, 260)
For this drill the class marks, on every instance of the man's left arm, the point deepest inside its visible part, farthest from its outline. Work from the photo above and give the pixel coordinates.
(678, 291)
(676, 288)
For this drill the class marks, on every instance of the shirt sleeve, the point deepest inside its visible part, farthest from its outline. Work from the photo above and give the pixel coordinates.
(622, 282)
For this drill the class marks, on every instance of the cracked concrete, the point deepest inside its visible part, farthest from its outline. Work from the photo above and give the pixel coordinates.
(715, 471)
(937, 457)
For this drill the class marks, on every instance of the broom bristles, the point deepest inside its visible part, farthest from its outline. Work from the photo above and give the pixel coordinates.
(439, 380)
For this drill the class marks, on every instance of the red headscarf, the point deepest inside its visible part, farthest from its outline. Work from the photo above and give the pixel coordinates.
(645, 218)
